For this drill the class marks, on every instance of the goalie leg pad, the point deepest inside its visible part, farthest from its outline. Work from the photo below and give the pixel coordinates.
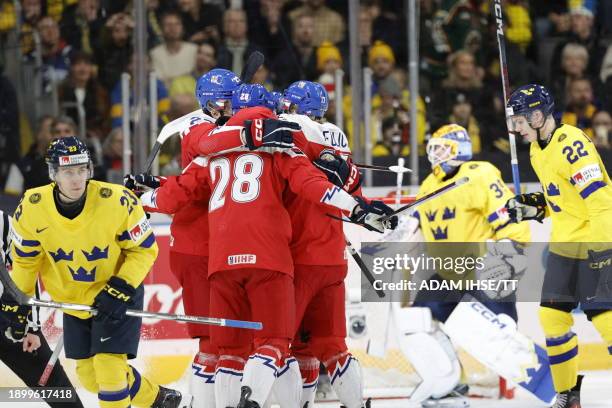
(409, 320)
(561, 347)
(494, 341)
(435, 361)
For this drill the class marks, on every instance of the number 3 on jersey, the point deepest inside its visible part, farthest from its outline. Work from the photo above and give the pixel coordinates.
(245, 187)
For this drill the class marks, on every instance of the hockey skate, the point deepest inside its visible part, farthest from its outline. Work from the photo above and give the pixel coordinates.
(169, 398)
(571, 398)
(245, 402)
(455, 399)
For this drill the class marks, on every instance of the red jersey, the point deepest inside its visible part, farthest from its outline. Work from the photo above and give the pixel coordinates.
(317, 239)
(248, 223)
(189, 227)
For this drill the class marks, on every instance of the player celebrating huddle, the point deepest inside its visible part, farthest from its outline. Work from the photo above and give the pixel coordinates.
(318, 250)
(578, 198)
(91, 243)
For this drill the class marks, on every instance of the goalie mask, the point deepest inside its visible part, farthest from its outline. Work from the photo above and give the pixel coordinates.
(449, 147)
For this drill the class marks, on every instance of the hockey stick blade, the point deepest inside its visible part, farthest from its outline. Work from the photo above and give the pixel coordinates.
(392, 169)
(428, 197)
(256, 60)
(364, 268)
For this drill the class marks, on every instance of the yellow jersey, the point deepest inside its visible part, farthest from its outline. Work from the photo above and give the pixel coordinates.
(577, 190)
(75, 258)
(473, 212)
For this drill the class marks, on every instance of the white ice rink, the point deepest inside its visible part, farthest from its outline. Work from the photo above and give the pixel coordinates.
(596, 393)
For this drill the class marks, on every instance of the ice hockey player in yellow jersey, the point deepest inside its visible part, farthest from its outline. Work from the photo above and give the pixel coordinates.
(91, 243)
(475, 214)
(578, 198)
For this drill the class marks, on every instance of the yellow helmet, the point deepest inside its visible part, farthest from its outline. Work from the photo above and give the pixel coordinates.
(448, 148)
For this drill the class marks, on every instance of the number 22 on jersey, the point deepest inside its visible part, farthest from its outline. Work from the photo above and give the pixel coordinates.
(245, 186)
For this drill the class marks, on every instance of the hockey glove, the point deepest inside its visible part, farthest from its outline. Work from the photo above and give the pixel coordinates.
(17, 316)
(601, 262)
(368, 215)
(531, 206)
(142, 182)
(113, 300)
(502, 268)
(269, 133)
(341, 172)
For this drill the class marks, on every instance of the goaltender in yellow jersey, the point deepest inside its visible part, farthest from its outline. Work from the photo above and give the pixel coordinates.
(577, 195)
(92, 244)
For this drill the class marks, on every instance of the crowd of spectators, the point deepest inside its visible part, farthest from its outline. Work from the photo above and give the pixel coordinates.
(85, 46)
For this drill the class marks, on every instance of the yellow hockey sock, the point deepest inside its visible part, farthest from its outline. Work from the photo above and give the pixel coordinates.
(561, 346)
(603, 324)
(142, 391)
(112, 378)
(87, 375)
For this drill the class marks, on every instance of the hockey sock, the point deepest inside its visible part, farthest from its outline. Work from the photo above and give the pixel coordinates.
(561, 347)
(228, 376)
(288, 385)
(87, 375)
(309, 369)
(603, 324)
(260, 372)
(202, 380)
(142, 391)
(111, 375)
(345, 375)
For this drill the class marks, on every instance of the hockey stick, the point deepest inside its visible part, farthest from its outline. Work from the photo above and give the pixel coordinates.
(364, 268)
(51, 363)
(256, 60)
(24, 299)
(392, 169)
(503, 66)
(427, 197)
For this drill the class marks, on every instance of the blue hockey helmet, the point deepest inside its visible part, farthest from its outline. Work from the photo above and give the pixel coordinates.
(250, 95)
(448, 148)
(309, 98)
(67, 151)
(216, 87)
(275, 101)
(528, 99)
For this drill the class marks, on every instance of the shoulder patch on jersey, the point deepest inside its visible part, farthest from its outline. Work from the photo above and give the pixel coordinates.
(138, 230)
(586, 174)
(562, 137)
(35, 198)
(473, 166)
(106, 192)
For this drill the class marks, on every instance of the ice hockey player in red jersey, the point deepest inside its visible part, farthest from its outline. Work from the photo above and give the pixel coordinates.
(319, 253)
(189, 227)
(250, 265)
